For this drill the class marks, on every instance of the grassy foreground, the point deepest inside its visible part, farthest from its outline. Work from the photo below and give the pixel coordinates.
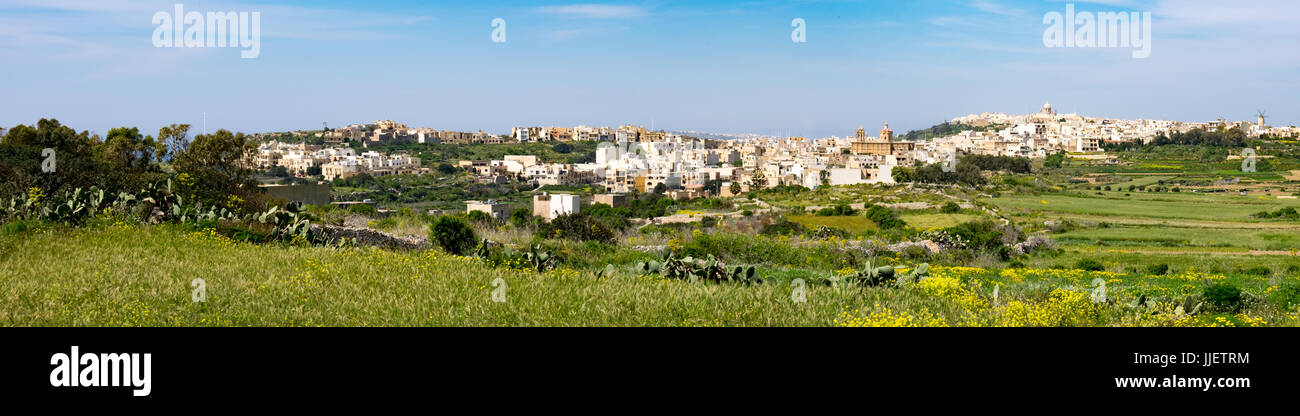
(141, 276)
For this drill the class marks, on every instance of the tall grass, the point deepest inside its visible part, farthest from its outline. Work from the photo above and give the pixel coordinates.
(122, 275)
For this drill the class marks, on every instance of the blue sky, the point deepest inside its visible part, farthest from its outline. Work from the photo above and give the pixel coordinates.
(727, 67)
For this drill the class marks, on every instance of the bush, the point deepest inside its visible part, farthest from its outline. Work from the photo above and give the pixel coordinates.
(978, 235)
(950, 208)
(1259, 271)
(823, 232)
(884, 217)
(709, 222)
(784, 227)
(1224, 296)
(479, 217)
(521, 218)
(1158, 269)
(453, 235)
(577, 227)
(1089, 265)
(836, 211)
(363, 209)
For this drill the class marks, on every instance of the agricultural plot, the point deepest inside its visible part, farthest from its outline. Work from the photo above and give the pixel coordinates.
(1164, 206)
(924, 221)
(1212, 232)
(854, 224)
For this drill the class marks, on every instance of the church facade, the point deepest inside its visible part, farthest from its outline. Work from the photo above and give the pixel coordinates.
(883, 146)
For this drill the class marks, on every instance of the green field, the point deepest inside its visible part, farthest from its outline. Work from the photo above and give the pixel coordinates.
(928, 221)
(855, 224)
(1211, 239)
(1165, 206)
(141, 276)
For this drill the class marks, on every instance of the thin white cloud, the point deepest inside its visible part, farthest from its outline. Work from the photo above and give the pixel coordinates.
(595, 11)
(1261, 14)
(989, 6)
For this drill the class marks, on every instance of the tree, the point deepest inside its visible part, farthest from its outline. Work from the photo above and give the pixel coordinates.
(125, 148)
(453, 235)
(969, 173)
(128, 159)
(661, 188)
(218, 163)
(1055, 160)
(904, 174)
(758, 182)
(22, 153)
(735, 188)
(172, 141)
(713, 187)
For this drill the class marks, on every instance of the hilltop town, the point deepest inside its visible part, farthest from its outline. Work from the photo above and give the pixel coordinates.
(632, 159)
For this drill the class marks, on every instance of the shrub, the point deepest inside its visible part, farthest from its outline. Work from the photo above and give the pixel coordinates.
(577, 227)
(747, 213)
(978, 235)
(1259, 271)
(784, 227)
(950, 208)
(1089, 265)
(884, 217)
(709, 222)
(479, 217)
(1158, 269)
(363, 209)
(521, 218)
(453, 235)
(823, 232)
(837, 211)
(1224, 296)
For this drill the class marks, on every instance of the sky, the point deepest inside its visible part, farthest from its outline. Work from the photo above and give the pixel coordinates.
(714, 66)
